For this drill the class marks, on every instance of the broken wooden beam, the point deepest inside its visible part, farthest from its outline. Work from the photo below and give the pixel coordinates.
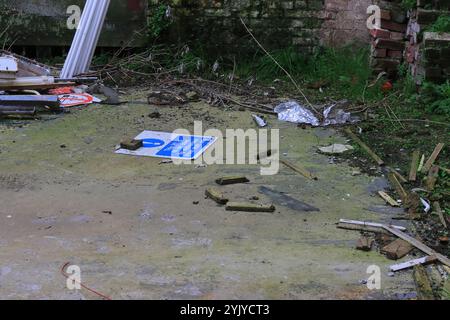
(433, 175)
(412, 263)
(299, 170)
(397, 249)
(399, 176)
(216, 195)
(364, 244)
(419, 245)
(423, 284)
(432, 158)
(388, 199)
(438, 210)
(249, 207)
(231, 180)
(397, 186)
(414, 166)
(366, 148)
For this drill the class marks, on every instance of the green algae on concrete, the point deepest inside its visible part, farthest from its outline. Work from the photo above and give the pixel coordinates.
(156, 243)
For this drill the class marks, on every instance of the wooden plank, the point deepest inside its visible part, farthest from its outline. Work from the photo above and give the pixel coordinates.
(353, 227)
(399, 176)
(388, 199)
(370, 224)
(364, 244)
(412, 263)
(397, 249)
(355, 138)
(414, 165)
(423, 284)
(397, 186)
(432, 158)
(249, 207)
(299, 170)
(216, 195)
(231, 180)
(419, 245)
(432, 178)
(421, 163)
(438, 210)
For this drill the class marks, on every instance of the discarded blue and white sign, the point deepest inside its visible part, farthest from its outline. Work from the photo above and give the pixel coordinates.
(170, 145)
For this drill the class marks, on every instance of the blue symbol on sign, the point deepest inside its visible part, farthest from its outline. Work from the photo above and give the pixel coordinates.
(185, 147)
(152, 143)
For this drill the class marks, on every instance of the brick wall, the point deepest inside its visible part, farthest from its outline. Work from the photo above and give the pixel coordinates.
(304, 24)
(427, 53)
(388, 42)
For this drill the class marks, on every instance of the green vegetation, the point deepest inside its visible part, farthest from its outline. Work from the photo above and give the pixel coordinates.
(343, 70)
(442, 24)
(409, 4)
(158, 21)
(436, 97)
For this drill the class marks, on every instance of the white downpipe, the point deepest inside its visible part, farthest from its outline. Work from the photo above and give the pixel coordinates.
(91, 42)
(84, 30)
(75, 44)
(96, 36)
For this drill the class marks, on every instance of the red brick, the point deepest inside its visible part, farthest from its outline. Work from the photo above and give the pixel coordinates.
(393, 26)
(397, 35)
(380, 33)
(385, 14)
(389, 44)
(379, 53)
(395, 54)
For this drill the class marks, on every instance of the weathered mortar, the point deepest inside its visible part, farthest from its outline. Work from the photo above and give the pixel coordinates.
(304, 24)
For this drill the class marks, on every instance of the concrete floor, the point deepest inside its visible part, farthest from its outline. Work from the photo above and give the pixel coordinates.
(157, 244)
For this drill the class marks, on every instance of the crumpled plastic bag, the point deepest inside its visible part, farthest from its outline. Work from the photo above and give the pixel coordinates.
(291, 111)
(334, 116)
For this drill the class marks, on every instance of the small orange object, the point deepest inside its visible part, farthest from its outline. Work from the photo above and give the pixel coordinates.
(387, 86)
(62, 90)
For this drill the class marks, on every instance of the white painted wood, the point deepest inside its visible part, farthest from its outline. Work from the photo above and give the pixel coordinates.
(370, 224)
(410, 264)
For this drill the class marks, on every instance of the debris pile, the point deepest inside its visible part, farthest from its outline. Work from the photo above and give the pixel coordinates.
(28, 87)
(417, 201)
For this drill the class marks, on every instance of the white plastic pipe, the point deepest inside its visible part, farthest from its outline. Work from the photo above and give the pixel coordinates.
(92, 40)
(86, 38)
(70, 60)
(84, 31)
